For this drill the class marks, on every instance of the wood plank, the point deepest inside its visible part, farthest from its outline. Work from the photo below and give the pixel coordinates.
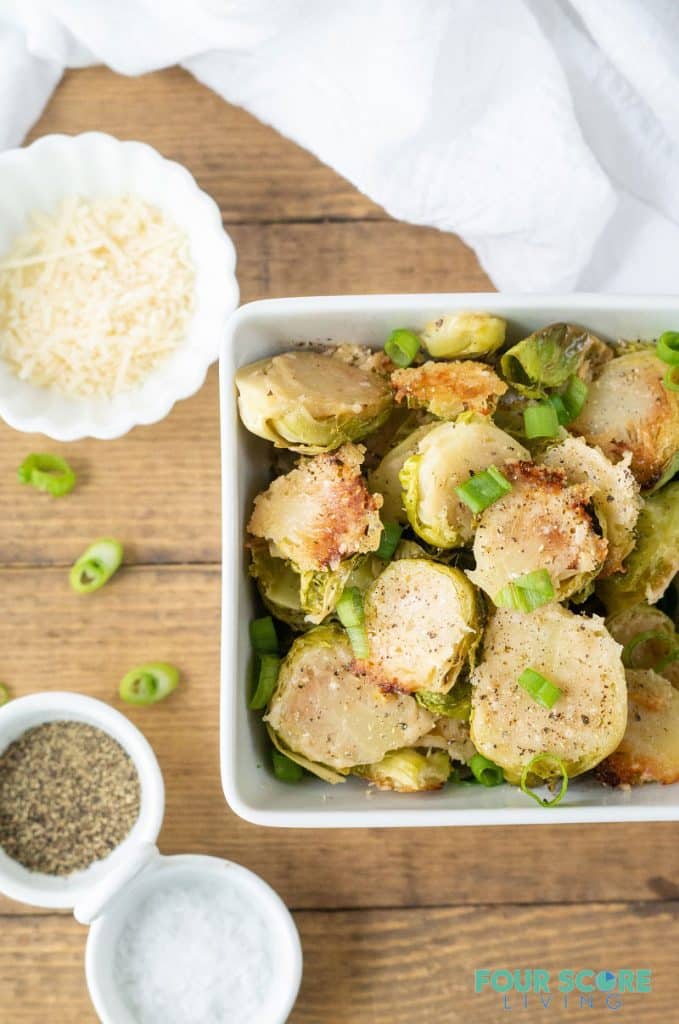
(251, 171)
(53, 639)
(395, 966)
(158, 487)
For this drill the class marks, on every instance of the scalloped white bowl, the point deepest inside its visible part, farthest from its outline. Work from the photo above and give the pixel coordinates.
(94, 165)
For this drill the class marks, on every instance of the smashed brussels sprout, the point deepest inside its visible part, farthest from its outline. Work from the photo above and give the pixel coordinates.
(320, 513)
(445, 457)
(615, 493)
(541, 524)
(578, 656)
(629, 409)
(448, 389)
(422, 620)
(649, 751)
(452, 735)
(326, 712)
(408, 770)
(548, 357)
(653, 563)
(464, 335)
(645, 621)
(311, 402)
(385, 479)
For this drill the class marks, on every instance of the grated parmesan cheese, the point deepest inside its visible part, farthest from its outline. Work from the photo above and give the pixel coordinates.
(95, 298)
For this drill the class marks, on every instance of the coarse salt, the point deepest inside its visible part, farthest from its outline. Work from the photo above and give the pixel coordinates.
(194, 952)
(95, 298)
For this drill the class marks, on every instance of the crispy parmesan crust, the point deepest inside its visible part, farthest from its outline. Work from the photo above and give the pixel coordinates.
(448, 389)
(649, 751)
(319, 513)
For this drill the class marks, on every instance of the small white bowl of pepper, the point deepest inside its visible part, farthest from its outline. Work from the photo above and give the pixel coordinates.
(80, 790)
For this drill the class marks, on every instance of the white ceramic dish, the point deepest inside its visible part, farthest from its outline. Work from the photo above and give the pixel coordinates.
(161, 872)
(95, 165)
(25, 713)
(266, 328)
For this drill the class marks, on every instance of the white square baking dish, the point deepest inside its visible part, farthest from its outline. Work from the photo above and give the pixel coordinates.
(265, 328)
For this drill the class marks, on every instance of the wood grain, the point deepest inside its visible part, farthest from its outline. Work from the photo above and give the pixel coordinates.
(252, 172)
(393, 922)
(395, 966)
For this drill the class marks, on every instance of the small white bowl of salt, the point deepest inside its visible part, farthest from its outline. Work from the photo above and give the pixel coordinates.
(190, 940)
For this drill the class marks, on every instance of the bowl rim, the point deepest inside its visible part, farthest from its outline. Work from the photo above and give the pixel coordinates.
(367, 814)
(97, 953)
(56, 705)
(82, 424)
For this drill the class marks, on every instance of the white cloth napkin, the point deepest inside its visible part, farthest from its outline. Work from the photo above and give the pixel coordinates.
(544, 132)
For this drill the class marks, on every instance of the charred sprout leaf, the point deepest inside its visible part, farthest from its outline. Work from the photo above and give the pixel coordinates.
(408, 770)
(654, 562)
(324, 710)
(549, 357)
(464, 335)
(311, 402)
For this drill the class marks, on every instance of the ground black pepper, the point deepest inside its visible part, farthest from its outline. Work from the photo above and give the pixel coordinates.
(69, 794)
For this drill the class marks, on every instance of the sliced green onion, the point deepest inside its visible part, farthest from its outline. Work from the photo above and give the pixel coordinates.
(630, 654)
(96, 565)
(540, 420)
(667, 348)
(550, 759)
(391, 535)
(263, 636)
(402, 346)
(483, 489)
(267, 675)
(5, 695)
(486, 772)
(351, 615)
(559, 406)
(48, 473)
(671, 378)
(574, 397)
(526, 593)
(540, 689)
(149, 683)
(285, 769)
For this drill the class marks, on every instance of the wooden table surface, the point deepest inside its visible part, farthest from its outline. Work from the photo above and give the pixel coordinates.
(393, 922)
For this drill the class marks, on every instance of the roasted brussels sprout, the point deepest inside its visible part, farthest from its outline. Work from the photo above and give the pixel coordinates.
(615, 493)
(385, 478)
(446, 456)
(448, 389)
(327, 713)
(452, 735)
(321, 771)
(278, 584)
(629, 409)
(408, 770)
(311, 402)
(463, 335)
(541, 524)
(422, 620)
(363, 357)
(320, 513)
(456, 704)
(653, 563)
(574, 653)
(548, 357)
(657, 636)
(649, 751)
